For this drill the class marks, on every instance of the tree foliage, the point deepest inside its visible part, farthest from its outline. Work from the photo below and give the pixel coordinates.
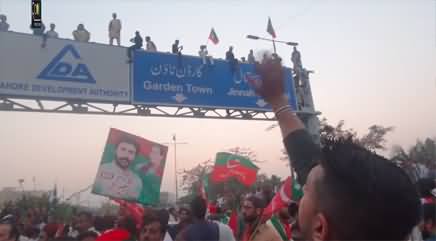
(373, 140)
(423, 152)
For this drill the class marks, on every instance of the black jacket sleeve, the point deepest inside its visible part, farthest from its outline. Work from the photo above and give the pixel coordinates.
(303, 153)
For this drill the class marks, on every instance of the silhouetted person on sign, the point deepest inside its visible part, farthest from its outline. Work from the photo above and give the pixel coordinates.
(296, 59)
(229, 55)
(137, 40)
(114, 30)
(233, 63)
(81, 34)
(176, 49)
(38, 31)
(204, 55)
(49, 34)
(250, 57)
(4, 26)
(52, 33)
(150, 46)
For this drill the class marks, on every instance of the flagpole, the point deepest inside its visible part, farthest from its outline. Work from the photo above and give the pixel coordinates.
(274, 44)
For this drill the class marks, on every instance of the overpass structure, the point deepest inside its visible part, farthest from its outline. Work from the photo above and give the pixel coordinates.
(65, 76)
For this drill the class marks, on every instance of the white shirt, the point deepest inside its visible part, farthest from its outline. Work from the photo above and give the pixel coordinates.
(115, 28)
(203, 53)
(81, 35)
(151, 46)
(52, 34)
(225, 233)
(113, 181)
(167, 237)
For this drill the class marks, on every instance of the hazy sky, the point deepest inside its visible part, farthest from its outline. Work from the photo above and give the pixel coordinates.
(375, 63)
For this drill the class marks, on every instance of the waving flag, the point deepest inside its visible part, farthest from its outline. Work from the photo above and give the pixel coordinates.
(270, 28)
(289, 191)
(228, 166)
(136, 210)
(213, 37)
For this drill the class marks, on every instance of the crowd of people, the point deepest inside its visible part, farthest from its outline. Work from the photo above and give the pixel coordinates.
(81, 34)
(350, 193)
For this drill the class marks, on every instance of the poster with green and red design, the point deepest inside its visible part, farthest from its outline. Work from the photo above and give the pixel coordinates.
(131, 168)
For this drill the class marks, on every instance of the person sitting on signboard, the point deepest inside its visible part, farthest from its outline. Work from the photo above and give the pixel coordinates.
(137, 40)
(81, 34)
(150, 46)
(115, 179)
(38, 31)
(4, 26)
(204, 55)
(176, 49)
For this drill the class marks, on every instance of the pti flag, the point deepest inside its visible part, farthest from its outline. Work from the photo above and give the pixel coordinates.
(133, 209)
(290, 190)
(270, 28)
(229, 166)
(131, 168)
(213, 37)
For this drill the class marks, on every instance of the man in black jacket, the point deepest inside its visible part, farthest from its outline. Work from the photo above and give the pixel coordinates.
(349, 192)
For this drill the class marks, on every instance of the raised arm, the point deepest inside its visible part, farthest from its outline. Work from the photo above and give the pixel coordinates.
(302, 151)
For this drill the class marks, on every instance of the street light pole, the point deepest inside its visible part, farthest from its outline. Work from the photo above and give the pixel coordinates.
(253, 37)
(175, 143)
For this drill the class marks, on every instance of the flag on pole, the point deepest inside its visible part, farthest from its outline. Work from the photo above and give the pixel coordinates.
(213, 37)
(285, 233)
(289, 191)
(229, 166)
(270, 28)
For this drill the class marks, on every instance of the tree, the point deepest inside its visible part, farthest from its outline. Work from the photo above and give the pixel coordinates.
(374, 140)
(423, 152)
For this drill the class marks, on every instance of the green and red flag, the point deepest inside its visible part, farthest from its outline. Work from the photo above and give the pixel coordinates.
(270, 28)
(288, 192)
(131, 168)
(213, 36)
(229, 166)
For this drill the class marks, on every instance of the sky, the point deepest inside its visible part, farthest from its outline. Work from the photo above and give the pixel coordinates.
(374, 62)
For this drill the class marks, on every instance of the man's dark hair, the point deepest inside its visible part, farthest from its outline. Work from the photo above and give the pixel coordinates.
(198, 207)
(155, 218)
(87, 234)
(87, 215)
(164, 217)
(256, 201)
(429, 213)
(363, 195)
(129, 140)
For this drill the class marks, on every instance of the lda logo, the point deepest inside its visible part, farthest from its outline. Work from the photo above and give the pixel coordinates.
(60, 69)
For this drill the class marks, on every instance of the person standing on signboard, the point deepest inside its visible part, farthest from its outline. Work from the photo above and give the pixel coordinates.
(114, 30)
(250, 58)
(137, 40)
(115, 178)
(176, 49)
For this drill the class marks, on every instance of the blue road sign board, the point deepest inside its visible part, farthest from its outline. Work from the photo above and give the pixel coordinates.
(169, 80)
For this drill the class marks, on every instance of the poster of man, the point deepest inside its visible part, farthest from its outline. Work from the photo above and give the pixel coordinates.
(131, 168)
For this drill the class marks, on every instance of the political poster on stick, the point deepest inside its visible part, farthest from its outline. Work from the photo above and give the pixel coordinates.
(131, 168)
